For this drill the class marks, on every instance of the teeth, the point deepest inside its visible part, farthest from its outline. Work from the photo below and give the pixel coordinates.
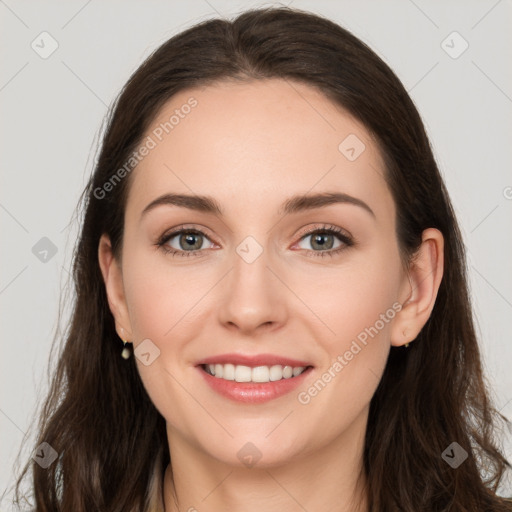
(298, 370)
(240, 373)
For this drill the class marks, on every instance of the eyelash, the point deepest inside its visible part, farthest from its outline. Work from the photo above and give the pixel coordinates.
(326, 229)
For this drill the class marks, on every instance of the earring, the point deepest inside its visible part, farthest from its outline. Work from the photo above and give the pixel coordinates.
(407, 344)
(125, 354)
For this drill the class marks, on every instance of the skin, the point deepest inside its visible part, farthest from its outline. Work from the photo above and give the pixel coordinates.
(251, 146)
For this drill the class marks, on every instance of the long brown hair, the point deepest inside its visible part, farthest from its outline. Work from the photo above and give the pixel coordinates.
(110, 439)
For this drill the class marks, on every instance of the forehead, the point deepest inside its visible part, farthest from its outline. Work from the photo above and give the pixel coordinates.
(259, 141)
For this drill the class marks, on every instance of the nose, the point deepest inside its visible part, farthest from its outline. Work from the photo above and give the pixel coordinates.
(253, 296)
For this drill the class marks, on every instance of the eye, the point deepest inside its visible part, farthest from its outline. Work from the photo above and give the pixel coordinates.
(183, 242)
(190, 241)
(324, 239)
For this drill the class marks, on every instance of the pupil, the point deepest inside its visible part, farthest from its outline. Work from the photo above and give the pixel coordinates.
(189, 238)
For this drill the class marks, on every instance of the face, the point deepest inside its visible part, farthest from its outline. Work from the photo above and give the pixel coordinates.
(316, 282)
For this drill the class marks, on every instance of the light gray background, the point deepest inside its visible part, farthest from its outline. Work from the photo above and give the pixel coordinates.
(52, 109)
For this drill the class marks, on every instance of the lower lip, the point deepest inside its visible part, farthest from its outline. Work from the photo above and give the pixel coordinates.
(253, 392)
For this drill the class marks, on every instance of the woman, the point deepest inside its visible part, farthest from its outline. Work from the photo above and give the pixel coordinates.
(267, 225)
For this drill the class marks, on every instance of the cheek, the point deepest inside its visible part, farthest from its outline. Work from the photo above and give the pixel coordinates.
(163, 297)
(164, 302)
(353, 298)
(358, 302)
(359, 311)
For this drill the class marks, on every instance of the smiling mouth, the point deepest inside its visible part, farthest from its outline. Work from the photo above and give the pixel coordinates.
(257, 374)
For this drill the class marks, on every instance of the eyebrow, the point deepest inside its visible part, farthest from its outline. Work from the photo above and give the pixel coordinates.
(295, 204)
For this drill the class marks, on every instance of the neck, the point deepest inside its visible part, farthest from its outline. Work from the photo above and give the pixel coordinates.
(323, 479)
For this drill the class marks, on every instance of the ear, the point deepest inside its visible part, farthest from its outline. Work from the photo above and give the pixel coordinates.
(113, 278)
(420, 287)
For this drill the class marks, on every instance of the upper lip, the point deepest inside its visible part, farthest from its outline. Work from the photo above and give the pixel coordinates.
(253, 360)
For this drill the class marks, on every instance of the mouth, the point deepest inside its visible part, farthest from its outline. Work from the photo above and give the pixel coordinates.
(253, 384)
